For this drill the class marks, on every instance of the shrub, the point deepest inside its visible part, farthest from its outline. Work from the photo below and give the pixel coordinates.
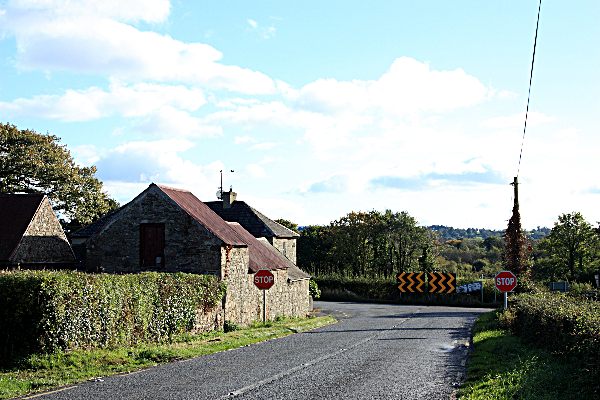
(52, 310)
(559, 323)
(313, 289)
(230, 326)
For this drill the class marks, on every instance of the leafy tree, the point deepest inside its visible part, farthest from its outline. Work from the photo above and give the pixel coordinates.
(314, 249)
(370, 244)
(288, 224)
(34, 163)
(571, 247)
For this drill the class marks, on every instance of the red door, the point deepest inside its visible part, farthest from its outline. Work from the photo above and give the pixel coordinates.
(152, 245)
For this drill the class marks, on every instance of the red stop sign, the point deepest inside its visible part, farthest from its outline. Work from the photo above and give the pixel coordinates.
(264, 279)
(505, 281)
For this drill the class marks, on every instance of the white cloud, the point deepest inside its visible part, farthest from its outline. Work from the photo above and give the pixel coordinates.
(171, 122)
(266, 32)
(243, 139)
(263, 146)
(130, 10)
(79, 40)
(136, 164)
(129, 101)
(518, 120)
(408, 87)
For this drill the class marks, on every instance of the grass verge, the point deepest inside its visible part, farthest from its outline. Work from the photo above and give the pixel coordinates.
(502, 366)
(46, 371)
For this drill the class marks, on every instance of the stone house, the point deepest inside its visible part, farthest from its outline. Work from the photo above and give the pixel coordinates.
(259, 225)
(30, 234)
(171, 230)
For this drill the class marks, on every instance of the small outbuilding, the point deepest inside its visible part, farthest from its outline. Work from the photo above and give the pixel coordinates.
(258, 224)
(30, 234)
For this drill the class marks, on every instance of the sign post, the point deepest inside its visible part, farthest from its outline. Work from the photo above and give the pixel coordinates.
(264, 279)
(505, 282)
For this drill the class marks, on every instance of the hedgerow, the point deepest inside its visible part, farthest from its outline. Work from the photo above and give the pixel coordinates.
(337, 287)
(51, 310)
(560, 323)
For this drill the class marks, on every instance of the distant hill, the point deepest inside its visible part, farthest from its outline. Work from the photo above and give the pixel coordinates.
(449, 233)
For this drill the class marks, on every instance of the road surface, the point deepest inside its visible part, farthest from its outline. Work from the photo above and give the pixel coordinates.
(375, 351)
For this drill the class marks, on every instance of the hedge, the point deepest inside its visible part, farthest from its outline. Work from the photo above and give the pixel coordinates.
(559, 323)
(341, 288)
(57, 310)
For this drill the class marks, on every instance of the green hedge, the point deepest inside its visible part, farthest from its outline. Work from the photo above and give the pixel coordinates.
(559, 323)
(340, 288)
(56, 310)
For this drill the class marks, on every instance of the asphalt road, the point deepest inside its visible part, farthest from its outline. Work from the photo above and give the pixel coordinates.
(373, 352)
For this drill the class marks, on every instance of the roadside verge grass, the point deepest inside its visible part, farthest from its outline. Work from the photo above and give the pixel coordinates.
(41, 372)
(502, 366)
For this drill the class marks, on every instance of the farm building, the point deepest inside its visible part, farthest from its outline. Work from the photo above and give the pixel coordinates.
(259, 225)
(30, 234)
(171, 230)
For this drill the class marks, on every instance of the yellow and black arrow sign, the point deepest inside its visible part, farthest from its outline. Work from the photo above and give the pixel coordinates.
(411, 281)
(441, 282)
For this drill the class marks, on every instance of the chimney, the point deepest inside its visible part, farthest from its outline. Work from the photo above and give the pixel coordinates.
(229, 198)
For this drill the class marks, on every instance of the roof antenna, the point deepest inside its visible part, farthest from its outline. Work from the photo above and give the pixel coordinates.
(220, 189)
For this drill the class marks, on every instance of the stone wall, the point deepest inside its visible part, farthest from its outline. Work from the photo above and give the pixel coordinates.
(209, 319)
(189, 247)
(44, 240)
(287, 247)
(244, 301)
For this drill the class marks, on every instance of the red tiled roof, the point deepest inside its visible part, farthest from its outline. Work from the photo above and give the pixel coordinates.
(16, 212)
(262, 256)
(204, 215)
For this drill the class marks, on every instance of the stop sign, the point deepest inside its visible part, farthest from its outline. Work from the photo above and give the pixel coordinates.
(505, 281)
(264, 279)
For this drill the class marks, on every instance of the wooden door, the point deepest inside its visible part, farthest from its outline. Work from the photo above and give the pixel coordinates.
(152, 245)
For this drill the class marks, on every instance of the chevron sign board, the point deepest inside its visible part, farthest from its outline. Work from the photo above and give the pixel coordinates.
(441, 282)
(411, 281)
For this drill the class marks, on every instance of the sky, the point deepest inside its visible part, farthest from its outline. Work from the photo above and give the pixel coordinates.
(320, 107)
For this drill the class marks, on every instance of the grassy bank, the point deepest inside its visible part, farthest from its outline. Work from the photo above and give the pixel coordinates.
(43, 372)
(503, 366)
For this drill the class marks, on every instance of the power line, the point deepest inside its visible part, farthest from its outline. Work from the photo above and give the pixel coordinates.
(529, 92)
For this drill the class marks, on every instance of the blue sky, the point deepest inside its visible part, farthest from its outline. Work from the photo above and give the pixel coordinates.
(320, 107)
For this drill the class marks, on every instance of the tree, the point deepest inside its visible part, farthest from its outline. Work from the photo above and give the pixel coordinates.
(515, 254)
(571, 246)
(35, 163)
(288, 224)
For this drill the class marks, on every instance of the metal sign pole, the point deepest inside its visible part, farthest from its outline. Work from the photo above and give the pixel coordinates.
(505, 300)
(482, 292)
(264, 306)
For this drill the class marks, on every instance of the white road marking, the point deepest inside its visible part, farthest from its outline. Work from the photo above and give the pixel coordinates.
(290, 371)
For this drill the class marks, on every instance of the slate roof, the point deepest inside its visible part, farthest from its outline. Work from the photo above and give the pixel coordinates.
(96, 226)
(252, 220)
(189, 203)
(16, 212)
(264, 256)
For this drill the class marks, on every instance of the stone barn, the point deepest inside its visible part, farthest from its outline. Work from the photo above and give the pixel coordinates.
(288, 296)
(171, 230)
(30, 234)
(259, 225)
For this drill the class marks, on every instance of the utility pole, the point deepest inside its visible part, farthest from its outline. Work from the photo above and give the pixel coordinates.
(515, 254)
